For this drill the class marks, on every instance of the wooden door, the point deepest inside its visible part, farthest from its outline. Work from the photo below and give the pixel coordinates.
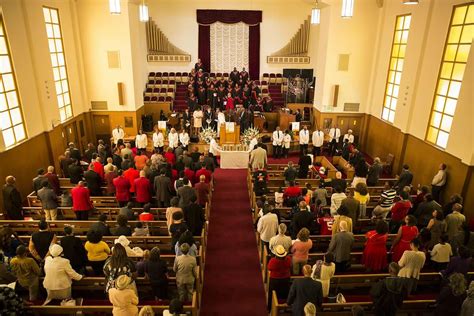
(102, 127)
(71, 134)
(351, 122)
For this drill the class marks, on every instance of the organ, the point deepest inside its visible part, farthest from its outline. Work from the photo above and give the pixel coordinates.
(160, 48)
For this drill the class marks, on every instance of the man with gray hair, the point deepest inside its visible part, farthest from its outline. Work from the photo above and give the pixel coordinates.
(374, 172)
(185, 268)
(280, 239)
(340, 246)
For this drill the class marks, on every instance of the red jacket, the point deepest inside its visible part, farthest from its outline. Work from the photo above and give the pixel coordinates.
(122, 189)
(205, 172)
(189, 174)
(291, 192)
(146, 217)
(170, 158)
(131, 174)
(99, 168)
(202, 189)
(81, 199)
(142, 190)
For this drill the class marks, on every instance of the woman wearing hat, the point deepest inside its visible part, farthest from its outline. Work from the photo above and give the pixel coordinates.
(279, 267)
(123, 297)
(58, 275)
(135, 252)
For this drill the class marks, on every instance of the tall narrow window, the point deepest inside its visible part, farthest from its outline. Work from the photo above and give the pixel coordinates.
(58, 61)
(394, 76)
(456, 50)
(11, 117)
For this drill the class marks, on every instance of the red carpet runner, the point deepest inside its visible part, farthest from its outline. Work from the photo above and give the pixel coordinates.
(232, 277)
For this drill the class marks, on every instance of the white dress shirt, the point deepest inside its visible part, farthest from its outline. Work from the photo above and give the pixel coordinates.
(277, 138)
(304, 137)
(173, 140)
(287, 141)
(214, 147)
(158, 139)
(439, 179)
(318, 138)
(267, 226)
(253, 143)
(350, 137)
(334, 133)
(141, 141)
(117, 134)
(220, 120)
(184, 138)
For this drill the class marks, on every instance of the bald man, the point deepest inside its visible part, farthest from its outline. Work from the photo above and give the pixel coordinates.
(304, 290)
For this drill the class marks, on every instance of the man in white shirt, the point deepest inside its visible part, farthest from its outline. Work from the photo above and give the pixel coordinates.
(253, 143)
(349, 137)
(336, 200)
(117, 134)
(214, 148)
(304, 140)
(334, 135)
(318, 140)
(438, 183)
(158, 141)
(141, 140)
(277, 139)
(286, 143)
(267, 226)
(173, 139)
(184, 139)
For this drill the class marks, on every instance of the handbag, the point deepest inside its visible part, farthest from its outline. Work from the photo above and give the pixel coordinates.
(340, 299)
(68, 302)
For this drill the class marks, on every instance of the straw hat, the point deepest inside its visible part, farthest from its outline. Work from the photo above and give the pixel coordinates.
(55, 250)
(122, 282)
(122, 240)
(280, 251)
(322, 170)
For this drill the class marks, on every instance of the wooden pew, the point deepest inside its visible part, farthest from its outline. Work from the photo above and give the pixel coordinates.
(342, 164)
(97, 201)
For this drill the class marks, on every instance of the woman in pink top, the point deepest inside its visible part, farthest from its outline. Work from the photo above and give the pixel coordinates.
(300, 250)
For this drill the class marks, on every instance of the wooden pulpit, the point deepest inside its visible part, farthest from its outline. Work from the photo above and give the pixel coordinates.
(285, 119)
(259, 121)
(229, 137)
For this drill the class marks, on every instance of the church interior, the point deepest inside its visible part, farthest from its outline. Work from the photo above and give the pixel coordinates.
(248, 157)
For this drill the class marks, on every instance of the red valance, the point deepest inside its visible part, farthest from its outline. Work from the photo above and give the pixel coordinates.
(207, 17)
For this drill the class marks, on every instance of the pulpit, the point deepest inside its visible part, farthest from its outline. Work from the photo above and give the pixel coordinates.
(229, 133)
(284, 119)
(258, 121)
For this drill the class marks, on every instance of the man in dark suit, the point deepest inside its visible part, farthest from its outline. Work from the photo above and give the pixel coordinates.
(194, 217)
(339, 182)
(93, 181)
(185, 193)
(302, 219)
(162, 186)
(39, 180)
(12, 199)
(101, 226)
(75, 172)
(75, 153)
(405, 179)
(304, 291)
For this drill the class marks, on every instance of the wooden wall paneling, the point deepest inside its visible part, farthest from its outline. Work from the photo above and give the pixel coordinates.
(139, 113)
(58, 145)
(468, 193)
(118, 118)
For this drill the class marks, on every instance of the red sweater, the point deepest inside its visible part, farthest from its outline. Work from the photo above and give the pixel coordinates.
(142, 190)
(170, 158)
(81, 199)
(131, 174)
(291, 192)
(279, 268)
(122, 189)
(146, 217)
(99, 169)
(400, 210)
(189, 174)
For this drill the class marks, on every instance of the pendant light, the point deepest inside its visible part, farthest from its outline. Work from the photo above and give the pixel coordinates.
(410, 1)
(143, 12)
(114, 7)
(347, 9)
(316, 14)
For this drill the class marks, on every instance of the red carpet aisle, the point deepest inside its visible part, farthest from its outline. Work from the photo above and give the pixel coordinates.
(232, 278)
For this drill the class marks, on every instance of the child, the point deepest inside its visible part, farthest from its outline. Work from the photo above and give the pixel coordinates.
(140, 230)
(279, 198)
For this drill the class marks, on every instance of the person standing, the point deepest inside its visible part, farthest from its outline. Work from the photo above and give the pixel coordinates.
(334, 135)
(158, 140)
(454, 222)
(123, 297)
(74, 250)
(27, 271)
(318, 141)
(93, 181)
(258, 157)
(12, 199)
(349, 137)
(277, 142)
(279, 267)
(304, 290)
(304, 140)
(374, 172)
(53, 180)
(143, 189)
(122, 189)
(194, 216)
(141, 140)
(374, 257)
(184, 139)
(286, 143)
(185, 268)
(117, 135)
(439, 182)
(300, 250)
(404, 179)
(388, 293)
(49, 202)
(81, 202)
(267, 226)
(323, 271)
(405, 235)
(340, 246)
(411, 264)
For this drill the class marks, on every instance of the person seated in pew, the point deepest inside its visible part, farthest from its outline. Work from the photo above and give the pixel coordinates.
(388, 294)
(341, 246)
(122, 227)
(73, 250)
(146, 215)
(374, 257)
(323, 271)
(176, 308)
(281, 239)
(411, 263)
(279, 197)
(451, 296)
(26, 271)
(336, 200)
(303, 291)
(101, 226)
(279, 267)
(300, 250)
(66, 199)
(58, 275)
(41, 241)
(97, 251)
(141, 230)
(123, 297)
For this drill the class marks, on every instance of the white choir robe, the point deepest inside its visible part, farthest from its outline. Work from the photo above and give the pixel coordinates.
(350, 137)
(173, 140)
(220, 120)
(158, 139)
(277, 138)
(117, 134)
(141, 141)
(304, 137)
(318, 138)
(334, 133)
(184, 139)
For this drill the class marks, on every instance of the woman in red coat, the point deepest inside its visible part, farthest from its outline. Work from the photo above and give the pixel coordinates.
(374, 257)
(405, 235)
(122, 189)
(81, 202)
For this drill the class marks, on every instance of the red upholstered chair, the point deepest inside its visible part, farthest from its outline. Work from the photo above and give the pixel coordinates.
(158, 74)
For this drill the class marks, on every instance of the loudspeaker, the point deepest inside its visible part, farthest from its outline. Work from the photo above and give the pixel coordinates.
(121, 94)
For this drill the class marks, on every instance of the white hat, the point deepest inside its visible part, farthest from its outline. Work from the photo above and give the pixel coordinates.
(55, 250)
(322, 170)
(122, 240)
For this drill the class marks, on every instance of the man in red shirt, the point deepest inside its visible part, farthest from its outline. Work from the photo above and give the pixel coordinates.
(399, 211)
(142, 189)
(99, 167)
(326, 223)
(131, 174)
(202, 190)
(53, 180)
(292, 191)
(190, 175)
(122, 189)
(169, 156)
(81, 202)
(205, 172)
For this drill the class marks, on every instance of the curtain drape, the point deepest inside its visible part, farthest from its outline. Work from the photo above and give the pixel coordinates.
(253, 18)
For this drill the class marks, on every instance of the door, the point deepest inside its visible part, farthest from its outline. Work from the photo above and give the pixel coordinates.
(102, 127)
(350, 122)
(71, 134)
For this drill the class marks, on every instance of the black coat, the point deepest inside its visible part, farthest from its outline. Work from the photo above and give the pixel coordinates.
(194, 218)
(303, 291)
(75, 173)
(94, 182)
(74, 251)
(12, 202)
(302, 219)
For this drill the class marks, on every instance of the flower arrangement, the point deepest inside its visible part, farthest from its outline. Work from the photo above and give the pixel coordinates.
(249, 134)
(207, 134)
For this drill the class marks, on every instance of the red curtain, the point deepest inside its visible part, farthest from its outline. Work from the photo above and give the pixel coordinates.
(253, 18)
